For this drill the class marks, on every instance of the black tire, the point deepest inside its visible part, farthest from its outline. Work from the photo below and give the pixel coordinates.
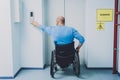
(76, 64)
(52, 65)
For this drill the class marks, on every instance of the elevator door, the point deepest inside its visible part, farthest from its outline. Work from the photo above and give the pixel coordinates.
(74, 15)
(54, 8)
(72, 10)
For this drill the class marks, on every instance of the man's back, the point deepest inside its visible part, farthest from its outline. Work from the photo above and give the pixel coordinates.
(63, 34)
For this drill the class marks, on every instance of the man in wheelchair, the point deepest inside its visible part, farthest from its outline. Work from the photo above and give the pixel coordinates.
(64, 53)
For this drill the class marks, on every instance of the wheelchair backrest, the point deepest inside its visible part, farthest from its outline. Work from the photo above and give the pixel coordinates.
(65, 49)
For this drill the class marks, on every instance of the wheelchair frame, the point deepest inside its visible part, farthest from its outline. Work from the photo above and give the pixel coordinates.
(76, 64)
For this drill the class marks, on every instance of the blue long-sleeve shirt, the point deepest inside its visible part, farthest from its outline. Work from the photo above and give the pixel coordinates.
(63, 34)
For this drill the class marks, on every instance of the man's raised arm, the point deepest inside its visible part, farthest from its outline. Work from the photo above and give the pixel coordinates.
(36, 24)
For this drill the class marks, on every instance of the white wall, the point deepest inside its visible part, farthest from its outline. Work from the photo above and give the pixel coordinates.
(99, 44)
(31, 37)
(9, 40)
(21, 44)
(54, 8)
(16, 28)
(5, 39)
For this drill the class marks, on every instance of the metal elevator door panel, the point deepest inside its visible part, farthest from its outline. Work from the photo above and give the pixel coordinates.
(75, 17)
(72, 10)
(54, 8)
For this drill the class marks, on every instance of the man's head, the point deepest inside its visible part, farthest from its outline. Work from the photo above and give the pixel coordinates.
(60, 21)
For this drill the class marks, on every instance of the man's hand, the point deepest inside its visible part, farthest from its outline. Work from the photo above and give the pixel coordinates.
(78, 47)
(35, 23)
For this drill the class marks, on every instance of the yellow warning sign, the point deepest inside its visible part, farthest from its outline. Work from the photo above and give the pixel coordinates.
(104, 15)
(100, 25)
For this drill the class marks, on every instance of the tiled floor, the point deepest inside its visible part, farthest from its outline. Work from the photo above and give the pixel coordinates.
(86, 74)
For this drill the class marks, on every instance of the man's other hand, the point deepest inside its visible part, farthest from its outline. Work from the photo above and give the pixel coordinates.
(77, 49)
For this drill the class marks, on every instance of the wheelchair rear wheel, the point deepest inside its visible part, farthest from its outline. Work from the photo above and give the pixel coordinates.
(76, 64)
(53, 67)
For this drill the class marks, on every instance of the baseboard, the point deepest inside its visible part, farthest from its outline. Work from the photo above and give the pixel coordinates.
(118, 74)
(31, 68)
(97, 67)
(7, 77)
(11, 77)
(17, 72)
(34, 68)
(22, 68)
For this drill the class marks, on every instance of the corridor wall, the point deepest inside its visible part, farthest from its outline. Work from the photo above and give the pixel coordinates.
(32, 43)
(9, 40)
(99, 43)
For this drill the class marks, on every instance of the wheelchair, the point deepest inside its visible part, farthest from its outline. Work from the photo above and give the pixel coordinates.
(63, 56)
